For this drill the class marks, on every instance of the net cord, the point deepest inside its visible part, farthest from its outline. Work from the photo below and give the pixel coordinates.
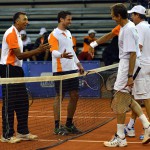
(52, 78)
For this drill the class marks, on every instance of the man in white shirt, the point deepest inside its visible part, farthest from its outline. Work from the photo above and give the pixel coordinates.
(128, 52)
(64, 61)
(15, 98)
(141, 86)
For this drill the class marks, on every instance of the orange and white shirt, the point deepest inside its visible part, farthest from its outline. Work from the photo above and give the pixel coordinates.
(11, 40)
(116, 30)
(60, 41)
(87, 46)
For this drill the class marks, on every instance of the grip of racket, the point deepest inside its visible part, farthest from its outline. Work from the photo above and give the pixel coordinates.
(136, 72)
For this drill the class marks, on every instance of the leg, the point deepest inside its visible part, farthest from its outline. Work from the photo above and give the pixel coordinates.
(120, 125)
(22, 114)
(72, 103)
(137, 109)
(129, 129)
(56, 109)
(119, 138)
(88, 56)
(7, 111)
(147, 106)
(71, 111)
(59, 129)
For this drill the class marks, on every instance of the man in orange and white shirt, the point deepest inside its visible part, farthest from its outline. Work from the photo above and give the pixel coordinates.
(64, 61)
(84, 55)
(15, 97)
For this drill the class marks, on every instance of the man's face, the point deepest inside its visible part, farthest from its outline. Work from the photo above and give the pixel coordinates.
(135, 18)
(22, 22)
(67, 21)
(116, 18)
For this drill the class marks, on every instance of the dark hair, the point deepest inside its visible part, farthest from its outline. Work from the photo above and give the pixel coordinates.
(120, 9)
(140, 15)
(16, 16)
(63, 15)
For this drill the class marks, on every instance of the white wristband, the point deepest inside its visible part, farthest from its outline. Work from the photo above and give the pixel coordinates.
(93, 44)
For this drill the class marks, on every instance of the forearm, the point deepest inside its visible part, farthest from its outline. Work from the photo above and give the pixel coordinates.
(102, 39)
(28, 54)
(105, 38)
(132, 61)
(56, 54)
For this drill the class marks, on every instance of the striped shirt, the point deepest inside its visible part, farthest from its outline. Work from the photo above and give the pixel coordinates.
(60, 41)
(11, 40)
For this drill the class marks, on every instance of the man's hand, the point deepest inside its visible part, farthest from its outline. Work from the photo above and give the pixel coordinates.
(130, 82)
(81, 69)
(66, 55)
(44, 47)
(91, 51)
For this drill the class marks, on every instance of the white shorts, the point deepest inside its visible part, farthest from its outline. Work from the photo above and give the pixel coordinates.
(141, 88)
(122, 75)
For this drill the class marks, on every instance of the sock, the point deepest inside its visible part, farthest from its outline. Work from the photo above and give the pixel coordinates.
(144, 121)
(69, 122)
(131, 123)
(120, 130)
(56, 123)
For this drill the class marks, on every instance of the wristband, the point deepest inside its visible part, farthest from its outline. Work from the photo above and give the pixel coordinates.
(130, 75)
(93, 44)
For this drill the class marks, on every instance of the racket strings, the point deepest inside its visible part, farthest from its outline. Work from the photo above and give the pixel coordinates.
(121, 102)
(93, 80)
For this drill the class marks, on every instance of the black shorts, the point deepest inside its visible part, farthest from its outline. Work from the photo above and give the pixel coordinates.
(68, 84)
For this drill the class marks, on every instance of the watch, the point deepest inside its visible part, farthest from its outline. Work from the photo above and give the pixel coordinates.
(130, 75)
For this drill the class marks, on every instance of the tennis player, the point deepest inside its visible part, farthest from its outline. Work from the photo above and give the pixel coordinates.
(141, 86)
(128, 53)
(15, 98)
(138, 17)
(64, 61)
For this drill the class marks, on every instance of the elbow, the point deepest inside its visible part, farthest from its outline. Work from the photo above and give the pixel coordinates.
(20, 57)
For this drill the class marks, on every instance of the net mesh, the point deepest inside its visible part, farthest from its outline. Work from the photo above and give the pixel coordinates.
(93, 107)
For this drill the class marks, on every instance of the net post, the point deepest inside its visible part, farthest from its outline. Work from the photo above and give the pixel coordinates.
(60, 101)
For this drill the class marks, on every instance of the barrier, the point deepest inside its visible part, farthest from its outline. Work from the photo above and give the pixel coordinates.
(46, 89)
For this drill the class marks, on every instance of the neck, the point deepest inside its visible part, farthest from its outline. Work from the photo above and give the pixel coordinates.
(124, 22)
(17, 27)
(61, 27)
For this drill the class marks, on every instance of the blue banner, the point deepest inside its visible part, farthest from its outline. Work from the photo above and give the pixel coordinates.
(46, 89)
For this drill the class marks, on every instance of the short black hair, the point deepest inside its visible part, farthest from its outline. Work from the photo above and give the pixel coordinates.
(120, 9)
(63, 15)
(141, 16)
(16, 16)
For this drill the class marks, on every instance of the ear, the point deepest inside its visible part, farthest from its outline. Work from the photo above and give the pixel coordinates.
(61, 19)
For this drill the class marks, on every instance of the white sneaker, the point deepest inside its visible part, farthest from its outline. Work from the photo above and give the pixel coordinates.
(26, 137)
(12, 139)
(129, 132)
(116, 142)
(146, 139)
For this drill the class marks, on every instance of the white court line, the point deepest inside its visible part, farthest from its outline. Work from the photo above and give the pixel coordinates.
(90, 141)
(82, 141)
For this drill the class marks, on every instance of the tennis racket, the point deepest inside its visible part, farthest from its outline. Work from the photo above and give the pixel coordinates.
(122, 99)
(111, 81)
(30, 98)
(92, 80)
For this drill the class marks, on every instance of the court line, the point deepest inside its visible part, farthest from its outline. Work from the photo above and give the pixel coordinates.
(83, 141)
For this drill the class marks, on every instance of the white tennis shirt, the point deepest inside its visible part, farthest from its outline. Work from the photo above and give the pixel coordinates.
(143, 29)
(11, 40)
(128, 41)
(60, 41)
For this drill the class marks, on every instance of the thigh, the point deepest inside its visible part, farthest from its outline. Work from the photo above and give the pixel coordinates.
(122, 75)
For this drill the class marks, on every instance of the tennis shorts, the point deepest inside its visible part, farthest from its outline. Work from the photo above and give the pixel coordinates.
(122, 75)
(141, 88)
(68, 84)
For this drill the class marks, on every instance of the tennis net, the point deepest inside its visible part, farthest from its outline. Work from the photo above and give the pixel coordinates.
(93, 107)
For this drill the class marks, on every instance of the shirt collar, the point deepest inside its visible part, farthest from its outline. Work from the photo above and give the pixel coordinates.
(18, 33)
